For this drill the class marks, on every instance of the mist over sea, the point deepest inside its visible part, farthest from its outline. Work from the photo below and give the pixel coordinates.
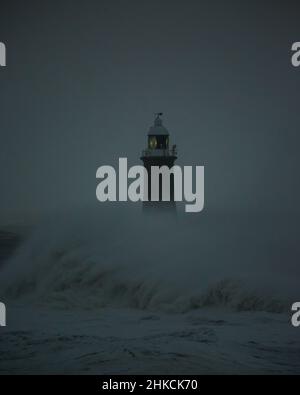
(139, 275)
(124, 258)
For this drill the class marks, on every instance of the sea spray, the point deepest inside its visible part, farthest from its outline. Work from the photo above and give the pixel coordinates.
(124, 259)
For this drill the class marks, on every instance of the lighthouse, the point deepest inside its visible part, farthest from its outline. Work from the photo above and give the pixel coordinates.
(158, 153)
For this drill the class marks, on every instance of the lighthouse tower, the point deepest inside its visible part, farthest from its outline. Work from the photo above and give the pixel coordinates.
(159, 153)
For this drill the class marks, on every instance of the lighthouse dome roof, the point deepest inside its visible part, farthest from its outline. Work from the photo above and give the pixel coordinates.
(158, 128)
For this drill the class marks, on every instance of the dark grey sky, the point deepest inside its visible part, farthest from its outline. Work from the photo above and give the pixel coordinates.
(84, 78)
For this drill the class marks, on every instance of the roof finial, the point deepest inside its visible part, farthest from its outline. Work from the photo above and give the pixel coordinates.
(158, 121)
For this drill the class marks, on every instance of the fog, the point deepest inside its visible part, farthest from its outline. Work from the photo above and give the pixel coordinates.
(124, 258)
(83, 80)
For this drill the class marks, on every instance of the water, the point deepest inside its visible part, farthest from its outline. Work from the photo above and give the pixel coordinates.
(182, 284)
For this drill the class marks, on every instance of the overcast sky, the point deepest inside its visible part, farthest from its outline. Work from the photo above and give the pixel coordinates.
(83, 79)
